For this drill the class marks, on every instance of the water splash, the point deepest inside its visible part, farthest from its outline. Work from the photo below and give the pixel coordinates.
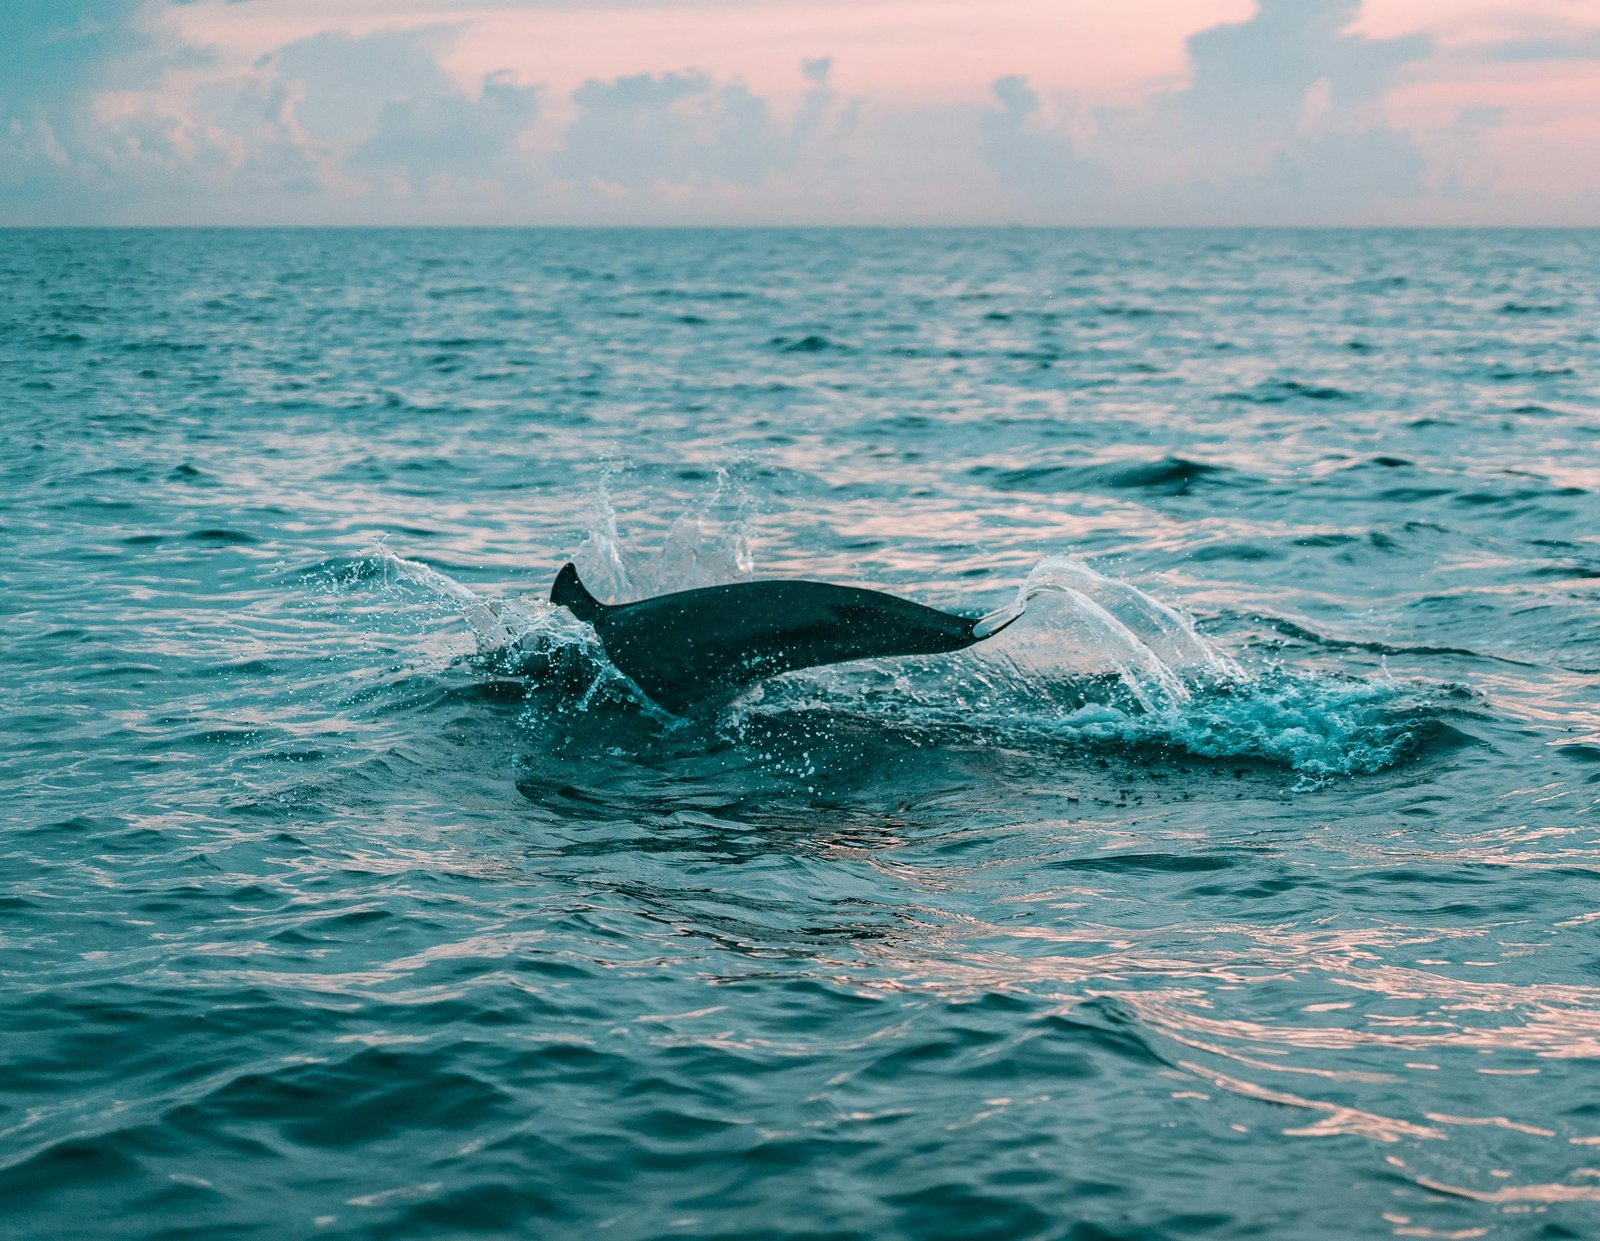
(1092, 662)
(1080, 623)
(1317, 726)
(600, 553)
(1178, 692)
(495, 623)
(708, 544)
(1169, 637)
(705, 548)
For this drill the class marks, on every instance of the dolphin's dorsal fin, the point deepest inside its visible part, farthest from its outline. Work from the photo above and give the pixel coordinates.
(573, 595)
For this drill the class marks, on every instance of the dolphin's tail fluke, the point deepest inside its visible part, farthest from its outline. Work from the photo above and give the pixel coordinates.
(573, 595)
(993, 623)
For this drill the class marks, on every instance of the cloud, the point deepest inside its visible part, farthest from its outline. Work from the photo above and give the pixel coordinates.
(428, 138)
(342, 82)
(57, 57)
(350, 115)
(1458, 151)
(1040, 161)
(1281, 121)
(334, 119)
(1250, 80)
(330, 122)
(684, 129)
(342, 110)
(1329, 177)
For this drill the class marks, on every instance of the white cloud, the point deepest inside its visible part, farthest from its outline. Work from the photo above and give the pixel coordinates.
(427, 139)
(1281, 120)
(686, 130)
(1039, 160)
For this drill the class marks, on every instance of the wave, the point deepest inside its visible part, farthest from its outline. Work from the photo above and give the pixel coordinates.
(1171, 475)
(812, 343)
(1281, 391)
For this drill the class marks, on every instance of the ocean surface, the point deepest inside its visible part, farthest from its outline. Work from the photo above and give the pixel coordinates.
(1249, 886)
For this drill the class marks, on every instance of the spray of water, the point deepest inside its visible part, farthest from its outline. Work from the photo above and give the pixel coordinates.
(1080, 621)
(707, 544)
(1091, 660)
(1167, 635)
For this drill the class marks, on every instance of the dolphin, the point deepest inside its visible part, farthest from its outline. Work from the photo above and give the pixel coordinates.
(696, 646)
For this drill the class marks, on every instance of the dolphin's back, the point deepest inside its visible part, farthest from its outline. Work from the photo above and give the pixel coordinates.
(695, 645)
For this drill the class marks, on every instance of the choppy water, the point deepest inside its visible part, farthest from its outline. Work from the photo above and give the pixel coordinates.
(1246, 888)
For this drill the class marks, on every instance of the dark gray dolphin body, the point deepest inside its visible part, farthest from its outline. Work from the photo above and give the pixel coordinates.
(696, 645)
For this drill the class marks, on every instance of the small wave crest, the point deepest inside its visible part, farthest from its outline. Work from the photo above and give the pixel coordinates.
(1171, 475)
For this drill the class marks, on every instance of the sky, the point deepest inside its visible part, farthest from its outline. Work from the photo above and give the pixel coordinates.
(687, 112)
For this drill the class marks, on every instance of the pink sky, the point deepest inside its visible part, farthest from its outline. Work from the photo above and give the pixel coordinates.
(903, 50)
(897, 50)
(1485, 112)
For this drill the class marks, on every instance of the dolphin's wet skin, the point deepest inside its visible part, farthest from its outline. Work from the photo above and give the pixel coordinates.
(693, 647)
(1244, 884)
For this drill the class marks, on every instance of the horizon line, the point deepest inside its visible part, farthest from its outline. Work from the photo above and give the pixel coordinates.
(796, 227)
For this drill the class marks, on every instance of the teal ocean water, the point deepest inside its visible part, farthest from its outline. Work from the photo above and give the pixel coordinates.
(1247, 887)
